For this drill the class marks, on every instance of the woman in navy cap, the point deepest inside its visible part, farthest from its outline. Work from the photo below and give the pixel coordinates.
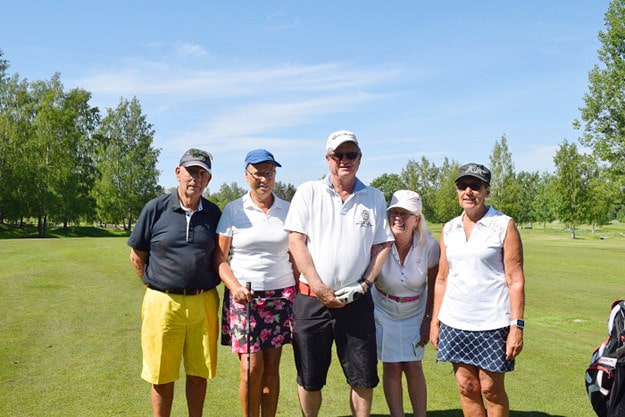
(479, 297)
(251, 231)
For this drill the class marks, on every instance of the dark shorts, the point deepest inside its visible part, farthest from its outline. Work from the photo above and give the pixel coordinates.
(315, 329)
(271, 320)
(484, 349)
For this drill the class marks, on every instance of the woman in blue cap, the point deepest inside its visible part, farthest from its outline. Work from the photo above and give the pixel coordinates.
(251, 231)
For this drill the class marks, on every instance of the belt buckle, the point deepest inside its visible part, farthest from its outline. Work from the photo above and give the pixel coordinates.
(402, 299)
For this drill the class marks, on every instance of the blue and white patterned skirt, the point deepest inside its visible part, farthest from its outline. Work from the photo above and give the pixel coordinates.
(484, 349)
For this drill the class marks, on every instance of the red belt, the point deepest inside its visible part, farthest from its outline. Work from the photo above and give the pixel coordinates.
(398, 299)
(304, 289)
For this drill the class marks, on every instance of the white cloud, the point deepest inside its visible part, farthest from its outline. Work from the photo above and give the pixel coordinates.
(192, 49)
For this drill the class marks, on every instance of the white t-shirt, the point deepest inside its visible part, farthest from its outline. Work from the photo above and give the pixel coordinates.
(409, 279)
(340, 234)
(477, 295)
(260, 244)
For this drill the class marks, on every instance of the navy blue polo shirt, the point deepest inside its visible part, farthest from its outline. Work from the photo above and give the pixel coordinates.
(176, 260)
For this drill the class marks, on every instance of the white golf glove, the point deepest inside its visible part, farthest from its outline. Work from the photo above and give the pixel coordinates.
(350, 293)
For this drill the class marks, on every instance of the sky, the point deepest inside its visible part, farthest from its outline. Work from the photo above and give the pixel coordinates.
(411, 78)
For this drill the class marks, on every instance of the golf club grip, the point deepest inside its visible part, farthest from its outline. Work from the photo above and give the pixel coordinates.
(248, 285)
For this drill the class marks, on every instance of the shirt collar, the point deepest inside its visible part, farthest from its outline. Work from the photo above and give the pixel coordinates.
(278, 203)
(358, 185)
(182, 206)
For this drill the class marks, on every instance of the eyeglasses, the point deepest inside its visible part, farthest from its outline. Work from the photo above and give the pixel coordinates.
(269, 175)
(401, 214)
(475, 186)
(338, 156)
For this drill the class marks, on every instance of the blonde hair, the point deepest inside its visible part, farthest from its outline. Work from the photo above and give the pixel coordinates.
(422, 231)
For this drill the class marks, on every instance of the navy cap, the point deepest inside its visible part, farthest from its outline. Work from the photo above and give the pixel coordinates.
(196, 157)
(474, 170)
(260, 155)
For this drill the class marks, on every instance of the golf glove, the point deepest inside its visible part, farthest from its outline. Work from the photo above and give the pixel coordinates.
(350, 293)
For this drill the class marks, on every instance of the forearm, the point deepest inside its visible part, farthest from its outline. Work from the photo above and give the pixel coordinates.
(220, 258)
(303, 259)
(227, 277)
(517, 299)
(429, 305)
(139, 261)
(379, 253)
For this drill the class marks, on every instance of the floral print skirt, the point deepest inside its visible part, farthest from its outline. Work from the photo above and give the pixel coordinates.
(271, 320)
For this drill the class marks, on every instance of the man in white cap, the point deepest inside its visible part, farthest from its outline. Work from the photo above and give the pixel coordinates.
(339, 238)
(172, 249)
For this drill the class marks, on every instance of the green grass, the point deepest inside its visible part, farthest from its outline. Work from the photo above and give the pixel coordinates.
(70, 324)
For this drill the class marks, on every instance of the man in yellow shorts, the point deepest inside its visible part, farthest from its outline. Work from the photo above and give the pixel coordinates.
(172, 251)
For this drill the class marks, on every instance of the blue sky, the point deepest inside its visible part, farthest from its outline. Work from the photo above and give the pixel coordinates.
(410, 78)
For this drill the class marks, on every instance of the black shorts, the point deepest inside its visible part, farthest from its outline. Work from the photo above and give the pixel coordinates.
(316, 327)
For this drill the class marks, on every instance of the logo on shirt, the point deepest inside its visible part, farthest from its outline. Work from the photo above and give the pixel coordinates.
(364, 222)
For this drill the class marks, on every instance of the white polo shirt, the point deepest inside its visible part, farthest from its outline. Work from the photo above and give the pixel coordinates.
(476, 296)
(340, 235)
(260, 244)
(409, 279)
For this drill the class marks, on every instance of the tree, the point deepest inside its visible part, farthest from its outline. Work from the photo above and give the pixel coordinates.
(226, 194)
(603, 191)
(15, 131)
(388, 184)
(604, 109)
(424, 178)
(544, 203)
(126, 163)
(284, 191)
(76, 174)
(504, 187)
(59, 178)
(528, 183)
(570, 185)
(446, 205)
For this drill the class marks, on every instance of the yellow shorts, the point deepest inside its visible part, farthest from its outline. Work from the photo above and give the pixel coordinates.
(177, 326)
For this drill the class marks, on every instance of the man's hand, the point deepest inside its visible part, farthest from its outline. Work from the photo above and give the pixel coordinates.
(350, 293)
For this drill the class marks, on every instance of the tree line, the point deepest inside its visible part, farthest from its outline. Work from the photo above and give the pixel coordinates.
(64, 161)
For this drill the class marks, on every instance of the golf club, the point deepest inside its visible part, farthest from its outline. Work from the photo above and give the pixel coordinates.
(248, 285)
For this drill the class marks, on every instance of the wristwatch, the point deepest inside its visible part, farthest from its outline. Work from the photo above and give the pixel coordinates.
(520, 323)
(368, 283)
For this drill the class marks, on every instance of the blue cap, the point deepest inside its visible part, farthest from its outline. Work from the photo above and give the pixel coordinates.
(260, 155)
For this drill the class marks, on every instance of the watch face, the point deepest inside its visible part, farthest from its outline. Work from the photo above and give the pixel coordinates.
(520, 323)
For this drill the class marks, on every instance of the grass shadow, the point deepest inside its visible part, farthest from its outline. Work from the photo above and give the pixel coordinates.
(29, 231)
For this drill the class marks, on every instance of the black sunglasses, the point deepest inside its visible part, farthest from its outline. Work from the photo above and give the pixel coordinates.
(474, 185)
(349, 155)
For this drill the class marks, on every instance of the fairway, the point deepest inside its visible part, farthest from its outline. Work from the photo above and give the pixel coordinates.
(70, 329)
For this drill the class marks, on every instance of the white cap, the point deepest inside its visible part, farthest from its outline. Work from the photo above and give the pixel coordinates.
(408, 200)
(337, 138)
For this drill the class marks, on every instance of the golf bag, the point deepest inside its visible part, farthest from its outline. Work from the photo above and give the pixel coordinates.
(605, 376)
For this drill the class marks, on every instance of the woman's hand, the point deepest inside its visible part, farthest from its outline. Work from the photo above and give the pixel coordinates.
(435, 330)
(241, 295)
(425, 330)
(514, 343)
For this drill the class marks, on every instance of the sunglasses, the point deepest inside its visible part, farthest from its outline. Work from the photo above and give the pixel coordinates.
(338, 156)
(474, 185)
(401, 214)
